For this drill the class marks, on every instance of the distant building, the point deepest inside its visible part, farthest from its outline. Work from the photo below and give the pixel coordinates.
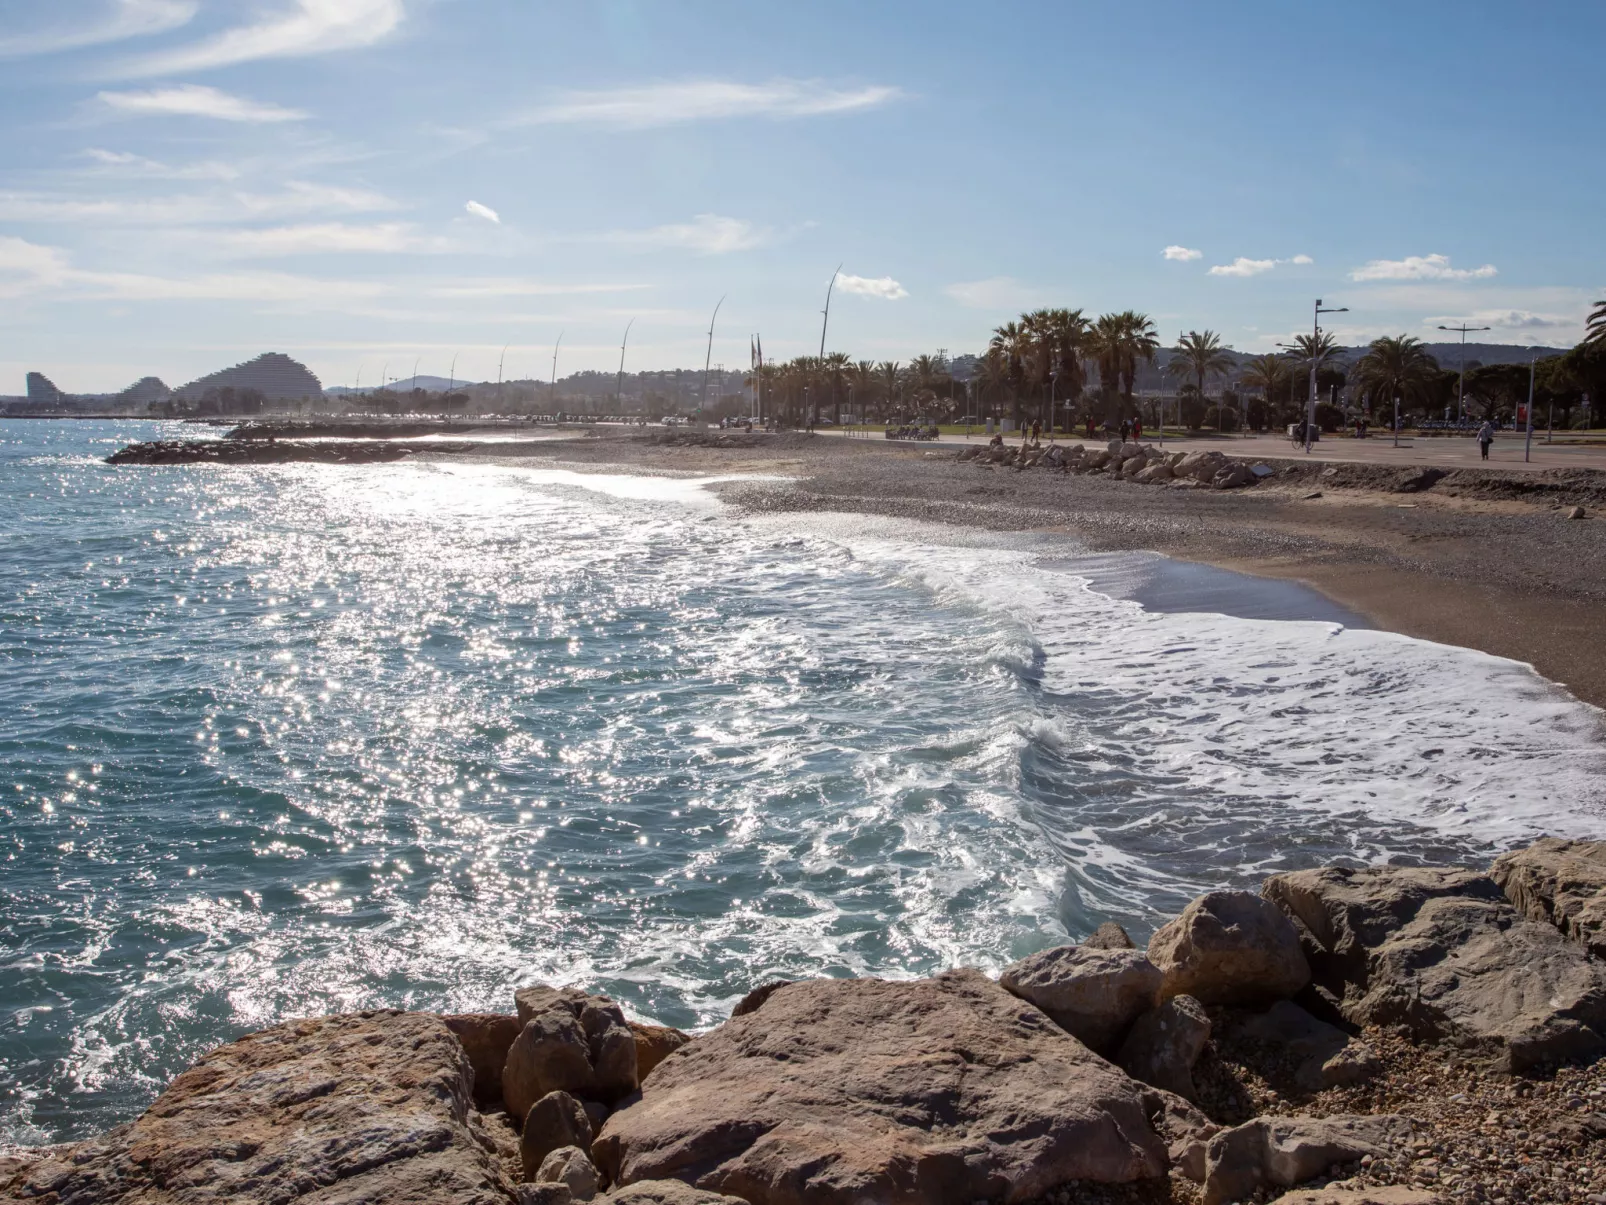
(42, 390)
(274, 376)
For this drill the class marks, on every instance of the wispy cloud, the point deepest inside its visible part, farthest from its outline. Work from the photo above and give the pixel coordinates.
(327, 237)
(666, 104)
(708, 233)
(1419, 267)
(297, 198)
(483, 211)
(306, 27)
(994, 293)
(1244, 266)
(1509, 320)
(1178, 252)
(197, 100)
(125, 163)
(125, 19)
(883, 287)
(27, 267)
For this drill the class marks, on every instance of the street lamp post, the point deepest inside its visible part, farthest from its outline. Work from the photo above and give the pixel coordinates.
(1461, 386)
(619, 381)
(1315, 338)
(552, 391)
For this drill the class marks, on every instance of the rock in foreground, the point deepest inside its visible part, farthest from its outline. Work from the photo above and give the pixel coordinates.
(1562, 883)
(837, 1091)
(363, 1108)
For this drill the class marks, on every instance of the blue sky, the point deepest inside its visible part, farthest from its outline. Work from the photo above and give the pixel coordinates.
(366, 183)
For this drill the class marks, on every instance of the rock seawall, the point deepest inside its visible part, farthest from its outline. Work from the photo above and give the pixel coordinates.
(1348, 1035)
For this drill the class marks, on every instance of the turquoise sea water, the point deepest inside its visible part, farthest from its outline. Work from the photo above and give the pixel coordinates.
(291, 740)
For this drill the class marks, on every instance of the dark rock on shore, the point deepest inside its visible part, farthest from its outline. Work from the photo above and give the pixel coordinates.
(364, 1108)
(1279, 1152)
(223, 451)
(1229, 947)
(836, 1091)
(1092, 994)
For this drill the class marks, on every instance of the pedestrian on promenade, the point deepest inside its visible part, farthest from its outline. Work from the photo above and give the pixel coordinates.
(1485, 437)
(1126, 430)
(1137, 430)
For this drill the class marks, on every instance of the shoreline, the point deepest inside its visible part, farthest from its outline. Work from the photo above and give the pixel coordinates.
(1505, 576)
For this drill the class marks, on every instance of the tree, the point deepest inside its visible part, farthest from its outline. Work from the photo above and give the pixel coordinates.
(1200, 355)
(1012, 344)
(1118, 342)
(890, 373)
(1271, 375)
(1500, 387)
(1397, 366)
(834, 373)
(1597, 324)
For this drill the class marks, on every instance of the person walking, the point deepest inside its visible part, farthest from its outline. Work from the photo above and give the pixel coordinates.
(1092, 433)
(1126, 430)
(1485, 437)
(1137, 430)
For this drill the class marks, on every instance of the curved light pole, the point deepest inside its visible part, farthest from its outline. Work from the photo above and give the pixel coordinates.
(619, 383)
(502, 359)
(415, 374)
(827, 311)
(702, 405)
(552, 395)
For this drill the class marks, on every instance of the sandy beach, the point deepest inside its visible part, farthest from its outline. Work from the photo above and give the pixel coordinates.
(1485, 559)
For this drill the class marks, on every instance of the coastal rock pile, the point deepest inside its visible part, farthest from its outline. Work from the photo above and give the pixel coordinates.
(1143, 463)
(273, 451)
(1082, 1069)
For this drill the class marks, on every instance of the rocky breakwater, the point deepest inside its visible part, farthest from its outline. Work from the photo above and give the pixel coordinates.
(1345, 1036)
(274, 451)
(1142, 463)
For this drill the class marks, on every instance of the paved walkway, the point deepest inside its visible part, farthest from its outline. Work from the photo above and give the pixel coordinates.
(1439, 451)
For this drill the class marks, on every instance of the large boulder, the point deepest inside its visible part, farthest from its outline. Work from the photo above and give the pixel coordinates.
(1562, 883)
(571, 1167)
(1164, 1045)
(654, 1044)
(845, 1090)
(1279, 1152)
(486, 1038)
(1200, 466)
(1321, 1055)
(555, 1121)
(1110, 936)
(1443, 956)
(1090, 992)
(570, 1041)
(363, 1107)
(1229, 947)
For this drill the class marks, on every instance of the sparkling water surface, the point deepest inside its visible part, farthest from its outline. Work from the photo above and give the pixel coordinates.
(288, 740)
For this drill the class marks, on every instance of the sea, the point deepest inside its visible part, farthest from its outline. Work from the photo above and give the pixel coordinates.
(282, 741)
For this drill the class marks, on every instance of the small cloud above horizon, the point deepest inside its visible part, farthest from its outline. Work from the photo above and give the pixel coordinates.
(655, 105)
(304, 27)
(483, 211)
(1508, 320)
(883, 287)
(1178, 252)
(1244, 266)
(1420, 267)
(198, 100)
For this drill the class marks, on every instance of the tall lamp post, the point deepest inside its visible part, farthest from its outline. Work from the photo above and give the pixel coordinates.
(1315, 338)
(702, 405)
(1461, 386)
(619, 381)
(552, 393)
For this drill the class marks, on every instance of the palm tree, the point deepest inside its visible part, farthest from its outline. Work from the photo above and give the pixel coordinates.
(1200, 355)
(1396, 366)
(1012, 345)
(1119, 341)
(863, 381)
(890, 373)
(1266, 373)
(834, 373)
(1597, 324)
(1324, 348)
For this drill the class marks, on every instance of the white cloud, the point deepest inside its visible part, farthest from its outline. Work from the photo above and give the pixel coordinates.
(994, 293)
(708, 233)
(1178, 252)
(295, 199)
(667, 104)
(1244, 266)
(307, 27)
(872, 286)
(508, 287)
(127, 19)
(1419, 267)
(196, 100)
(1508, 320)
(483, 211)
(123, 163)
(388, 237)
(27, 267)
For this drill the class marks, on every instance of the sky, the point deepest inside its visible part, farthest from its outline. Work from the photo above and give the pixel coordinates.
(368, 185)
